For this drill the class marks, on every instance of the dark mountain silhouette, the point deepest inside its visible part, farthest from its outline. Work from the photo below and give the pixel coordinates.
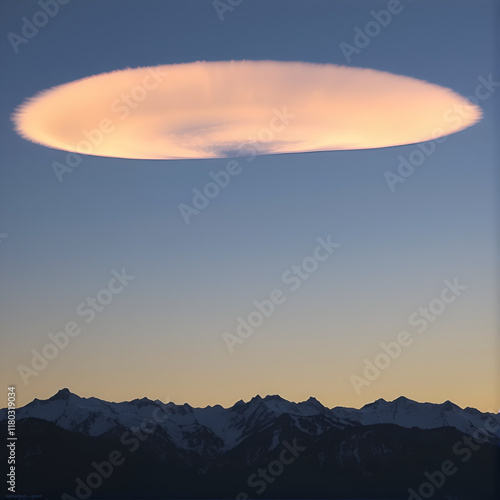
(265, 448)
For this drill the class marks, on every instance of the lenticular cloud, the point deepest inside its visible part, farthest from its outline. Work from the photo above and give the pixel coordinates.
(225, 109)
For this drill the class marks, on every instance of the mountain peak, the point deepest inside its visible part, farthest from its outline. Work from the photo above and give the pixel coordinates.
(273, 397)
(402, 399)
(63, 394)
(378, 402)
(313, 402)
(448, 405)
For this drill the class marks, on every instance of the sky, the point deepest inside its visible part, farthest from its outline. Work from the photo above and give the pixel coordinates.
(176, 273)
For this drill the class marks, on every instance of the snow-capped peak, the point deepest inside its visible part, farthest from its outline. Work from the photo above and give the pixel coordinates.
(187, 426)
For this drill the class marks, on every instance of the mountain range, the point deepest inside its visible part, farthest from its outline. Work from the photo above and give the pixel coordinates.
(264, 448)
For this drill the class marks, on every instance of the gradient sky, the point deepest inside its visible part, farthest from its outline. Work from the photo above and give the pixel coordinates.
(162, 336)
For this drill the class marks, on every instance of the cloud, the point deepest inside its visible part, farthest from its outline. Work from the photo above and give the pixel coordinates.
(215, 109)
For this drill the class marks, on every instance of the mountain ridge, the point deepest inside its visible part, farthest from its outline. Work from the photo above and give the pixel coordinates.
(64, 393)
(94, 417)
(213, 452)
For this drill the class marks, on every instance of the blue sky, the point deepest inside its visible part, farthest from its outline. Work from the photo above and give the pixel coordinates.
(162, 337)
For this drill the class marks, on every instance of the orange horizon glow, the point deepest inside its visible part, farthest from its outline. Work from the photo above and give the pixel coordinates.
(488, 405)
(216, 109)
